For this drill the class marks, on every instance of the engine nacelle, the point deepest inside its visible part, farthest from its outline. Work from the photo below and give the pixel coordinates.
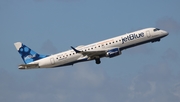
(113, 52)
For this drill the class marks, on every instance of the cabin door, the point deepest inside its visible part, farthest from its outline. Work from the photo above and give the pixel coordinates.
(148, 34)
(52, 61)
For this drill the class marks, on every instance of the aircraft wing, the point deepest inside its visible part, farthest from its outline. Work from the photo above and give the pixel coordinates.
(91, 54)
(28, 66)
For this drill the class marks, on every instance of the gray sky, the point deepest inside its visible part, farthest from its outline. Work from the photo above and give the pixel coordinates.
(147, 73)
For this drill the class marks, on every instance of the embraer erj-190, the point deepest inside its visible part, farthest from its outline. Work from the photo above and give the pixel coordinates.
(107, 48)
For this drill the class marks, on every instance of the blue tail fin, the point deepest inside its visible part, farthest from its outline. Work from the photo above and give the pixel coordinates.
(27, 54)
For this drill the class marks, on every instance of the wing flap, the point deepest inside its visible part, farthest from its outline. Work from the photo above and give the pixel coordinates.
(91, 54)
(94, 53)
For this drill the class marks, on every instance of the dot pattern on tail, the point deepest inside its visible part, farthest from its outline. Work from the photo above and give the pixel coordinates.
(29, 55)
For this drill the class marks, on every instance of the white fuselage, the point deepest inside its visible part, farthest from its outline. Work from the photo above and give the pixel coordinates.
(122, 42)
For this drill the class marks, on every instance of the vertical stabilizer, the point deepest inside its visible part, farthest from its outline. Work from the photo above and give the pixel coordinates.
(27, 54)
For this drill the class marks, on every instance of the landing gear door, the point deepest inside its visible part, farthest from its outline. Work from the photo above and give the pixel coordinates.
(148, 34)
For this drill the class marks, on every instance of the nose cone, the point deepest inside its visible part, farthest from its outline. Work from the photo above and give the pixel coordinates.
(164, 33)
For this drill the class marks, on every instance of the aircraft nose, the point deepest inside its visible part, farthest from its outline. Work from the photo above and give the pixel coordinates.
(165, 32)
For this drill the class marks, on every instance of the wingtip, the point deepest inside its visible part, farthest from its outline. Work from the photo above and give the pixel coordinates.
(77, 51)
(72, 47)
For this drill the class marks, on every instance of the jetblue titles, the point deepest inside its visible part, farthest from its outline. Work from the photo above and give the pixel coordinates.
(132, 37)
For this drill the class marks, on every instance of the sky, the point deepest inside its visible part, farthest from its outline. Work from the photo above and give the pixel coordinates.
(146, 73)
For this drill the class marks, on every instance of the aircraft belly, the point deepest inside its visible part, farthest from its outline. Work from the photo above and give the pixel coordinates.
(67, 61)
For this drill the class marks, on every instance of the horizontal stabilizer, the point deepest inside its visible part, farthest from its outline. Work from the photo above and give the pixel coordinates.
(28, 66)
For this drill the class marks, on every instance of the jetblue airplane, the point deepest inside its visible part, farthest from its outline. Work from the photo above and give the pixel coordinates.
(107, 48)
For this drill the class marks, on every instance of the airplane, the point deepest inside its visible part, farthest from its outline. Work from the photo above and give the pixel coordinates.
(107, 48)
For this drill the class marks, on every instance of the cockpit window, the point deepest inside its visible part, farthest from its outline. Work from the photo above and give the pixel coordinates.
(156, 29)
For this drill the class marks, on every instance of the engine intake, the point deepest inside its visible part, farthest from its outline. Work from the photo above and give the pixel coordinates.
(113, 52)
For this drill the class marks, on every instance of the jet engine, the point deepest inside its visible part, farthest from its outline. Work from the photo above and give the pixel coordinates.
(113, 52)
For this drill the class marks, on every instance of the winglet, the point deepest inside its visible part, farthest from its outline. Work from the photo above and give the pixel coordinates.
(77, 51)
